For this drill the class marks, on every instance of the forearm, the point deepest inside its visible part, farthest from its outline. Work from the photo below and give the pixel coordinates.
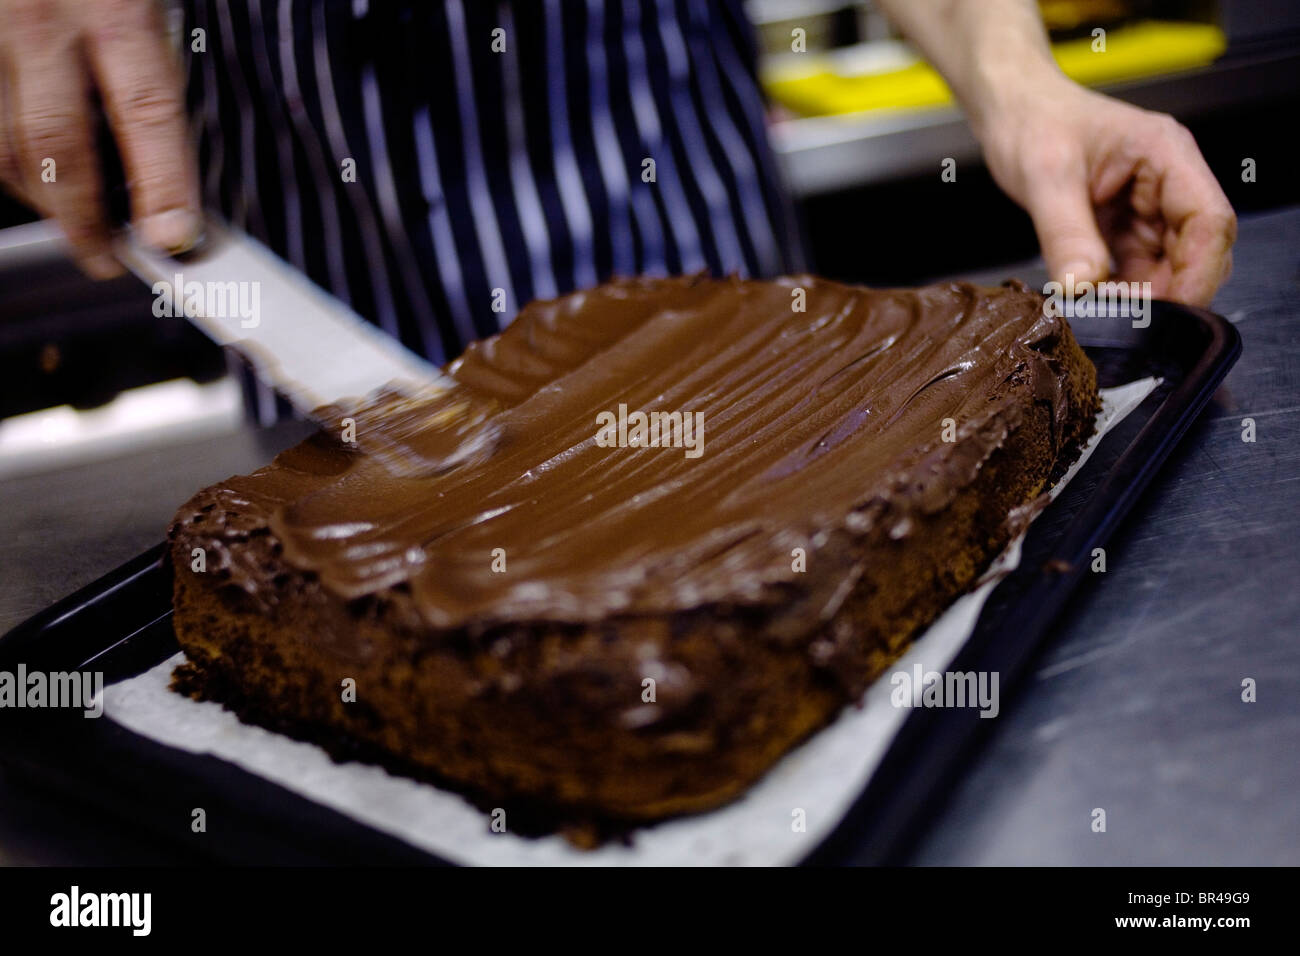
(989, 51)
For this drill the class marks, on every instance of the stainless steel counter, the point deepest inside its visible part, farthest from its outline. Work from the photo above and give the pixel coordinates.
(1135, 707)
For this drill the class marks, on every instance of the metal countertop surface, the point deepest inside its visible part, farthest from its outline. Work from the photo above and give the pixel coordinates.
(1135, 706)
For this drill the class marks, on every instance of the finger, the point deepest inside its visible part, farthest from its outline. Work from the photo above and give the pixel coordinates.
(1143, 268)
(1135, 262)
(58, 167)
(1201, 224)
(8, 161)
(1061, 209)
(143, 94)
(1137, 245)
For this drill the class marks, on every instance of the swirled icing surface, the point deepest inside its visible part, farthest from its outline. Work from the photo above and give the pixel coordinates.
(816, 421)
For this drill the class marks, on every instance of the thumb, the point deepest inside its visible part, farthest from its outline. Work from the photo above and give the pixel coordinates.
(1068, 234)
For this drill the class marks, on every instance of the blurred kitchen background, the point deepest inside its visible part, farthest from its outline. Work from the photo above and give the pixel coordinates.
(860, 124)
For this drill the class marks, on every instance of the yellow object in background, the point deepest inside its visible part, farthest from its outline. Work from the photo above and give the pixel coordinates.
(1147, 48)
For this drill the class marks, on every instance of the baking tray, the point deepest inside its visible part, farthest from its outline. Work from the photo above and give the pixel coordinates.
(121, 625)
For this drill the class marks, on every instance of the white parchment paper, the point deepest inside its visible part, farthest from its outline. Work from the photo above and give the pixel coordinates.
(822, 777)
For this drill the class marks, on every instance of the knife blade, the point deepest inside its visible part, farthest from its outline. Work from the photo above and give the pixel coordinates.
(299, 339)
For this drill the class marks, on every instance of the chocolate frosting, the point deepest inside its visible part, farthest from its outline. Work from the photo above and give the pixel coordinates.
(821, 426)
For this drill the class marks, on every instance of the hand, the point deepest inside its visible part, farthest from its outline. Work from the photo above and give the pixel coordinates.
(1106, 181)
(53, 53)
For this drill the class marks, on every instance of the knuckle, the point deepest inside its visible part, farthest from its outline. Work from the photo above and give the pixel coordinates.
(117, 10)
(151, 105)
(122, 17)
(53, 135)
(1176, 131)
(33, 19)
(1226, 222)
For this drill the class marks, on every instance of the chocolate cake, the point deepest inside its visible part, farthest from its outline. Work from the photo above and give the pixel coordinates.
(545, 591)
